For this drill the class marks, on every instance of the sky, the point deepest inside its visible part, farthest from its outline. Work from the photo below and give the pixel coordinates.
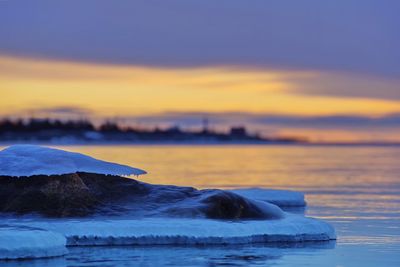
(323, 70)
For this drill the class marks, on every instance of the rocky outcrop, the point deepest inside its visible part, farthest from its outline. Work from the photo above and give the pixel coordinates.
(60, 196)
(87, 194)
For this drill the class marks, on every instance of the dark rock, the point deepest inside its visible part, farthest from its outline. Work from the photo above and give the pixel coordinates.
(87, 194)
(60, 196)
(227, 205)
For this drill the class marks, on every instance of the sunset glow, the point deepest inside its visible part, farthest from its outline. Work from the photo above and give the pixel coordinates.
(30, 86)
(112, 90)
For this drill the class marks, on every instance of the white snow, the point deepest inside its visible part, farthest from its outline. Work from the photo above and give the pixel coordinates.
(28, 160)
(26, 242)
(282, 198)
(157, 231)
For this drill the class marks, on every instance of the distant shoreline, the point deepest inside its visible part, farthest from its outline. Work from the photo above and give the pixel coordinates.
(83, 132)
(195, 143)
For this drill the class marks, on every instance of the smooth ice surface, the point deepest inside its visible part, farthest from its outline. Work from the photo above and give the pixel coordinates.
(172, 231)
(28, 160)
(18, 242)
(286, 198)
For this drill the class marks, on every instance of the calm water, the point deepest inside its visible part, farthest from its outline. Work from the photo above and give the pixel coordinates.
(357, 189)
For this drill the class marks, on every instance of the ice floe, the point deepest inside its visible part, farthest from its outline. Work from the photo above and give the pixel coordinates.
(183, 231)
(22, 242)
(143, 214)
(28, 160)
(282, 198)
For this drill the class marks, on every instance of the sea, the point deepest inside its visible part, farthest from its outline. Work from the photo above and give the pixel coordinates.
(356, 188)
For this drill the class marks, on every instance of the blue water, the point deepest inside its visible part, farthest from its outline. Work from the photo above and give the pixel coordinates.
(355, 188)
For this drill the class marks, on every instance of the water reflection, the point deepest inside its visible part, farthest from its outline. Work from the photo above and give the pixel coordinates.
(254, 255)
(315, 168)
(58, 261)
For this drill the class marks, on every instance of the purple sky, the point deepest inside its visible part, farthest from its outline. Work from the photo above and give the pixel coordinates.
(341, 35)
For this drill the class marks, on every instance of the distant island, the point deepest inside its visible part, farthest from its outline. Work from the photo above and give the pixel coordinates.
(84, 131)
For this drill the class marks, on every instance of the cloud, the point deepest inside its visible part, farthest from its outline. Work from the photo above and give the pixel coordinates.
(345, 85)
(55, 112)
(338, 35)
(15, 70)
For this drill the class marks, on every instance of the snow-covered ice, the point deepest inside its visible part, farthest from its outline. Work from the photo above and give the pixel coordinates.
(28, 237)
(182, 231)
(19, 242)
(282, 198)
(28, 160)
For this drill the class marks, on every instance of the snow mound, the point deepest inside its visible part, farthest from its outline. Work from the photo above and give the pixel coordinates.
(28, 160)
(282, 198)
(172, 231)
(18, 242)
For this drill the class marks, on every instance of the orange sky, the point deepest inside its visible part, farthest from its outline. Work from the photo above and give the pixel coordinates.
(28, 84)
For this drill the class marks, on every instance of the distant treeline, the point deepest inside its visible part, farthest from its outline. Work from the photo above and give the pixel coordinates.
(75, 131)
(33, 125)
